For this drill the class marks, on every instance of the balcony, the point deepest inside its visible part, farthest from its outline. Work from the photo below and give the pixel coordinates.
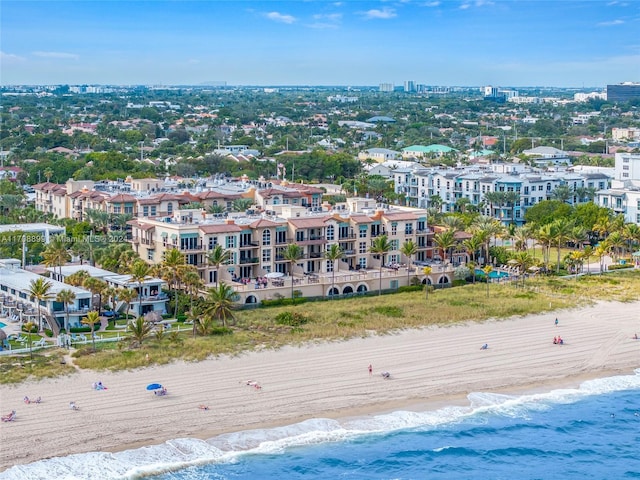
(248, 260)
(284, 241)
(347, 237)
(311, 240)
(249, 245)
(378, 234)
(190, 248)
(314, 255)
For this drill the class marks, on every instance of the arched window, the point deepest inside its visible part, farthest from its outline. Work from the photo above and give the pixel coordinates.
(266, 237)
(330, 233)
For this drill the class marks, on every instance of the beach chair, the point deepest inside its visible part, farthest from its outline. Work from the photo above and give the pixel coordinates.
(10, 417)
(40, 343)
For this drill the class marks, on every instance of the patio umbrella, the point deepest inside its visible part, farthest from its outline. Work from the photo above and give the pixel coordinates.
(274, 275)
(154, 386)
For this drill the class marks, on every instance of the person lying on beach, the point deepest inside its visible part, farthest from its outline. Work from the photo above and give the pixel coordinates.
(203, 407)
(484, 347)
(28, 400)
(162, 391)
(9, 417)
(73, 406)
(253, 384)
(386, 375)
(98, 386)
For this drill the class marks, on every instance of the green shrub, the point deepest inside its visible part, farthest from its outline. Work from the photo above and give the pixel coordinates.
(293, 319)
(410, 288)
(83, 329)
(387, 311)
(48, 332)
(34, 329)
(220, 331)
(459, 283)
(619, 267)
(181, 318)
(282, 302)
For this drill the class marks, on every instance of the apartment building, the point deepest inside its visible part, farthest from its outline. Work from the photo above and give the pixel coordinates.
(257, 244)
(419, 185)
(623, 196)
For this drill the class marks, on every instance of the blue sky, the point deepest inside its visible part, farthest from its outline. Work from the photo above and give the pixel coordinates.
(457, 42)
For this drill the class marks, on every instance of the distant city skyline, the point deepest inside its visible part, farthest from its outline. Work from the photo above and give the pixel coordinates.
(458, 42)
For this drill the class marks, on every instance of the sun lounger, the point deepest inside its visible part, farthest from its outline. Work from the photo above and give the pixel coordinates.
(10, 417)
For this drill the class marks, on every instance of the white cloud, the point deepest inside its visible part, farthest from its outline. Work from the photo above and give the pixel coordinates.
(331, 17)
(431, 4)
(280, 17)
(477, 4)
(61, 55)
(10, 58)
(611, 23)
(384, 14)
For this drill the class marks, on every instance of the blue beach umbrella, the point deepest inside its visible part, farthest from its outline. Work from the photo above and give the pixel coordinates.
(154, 386)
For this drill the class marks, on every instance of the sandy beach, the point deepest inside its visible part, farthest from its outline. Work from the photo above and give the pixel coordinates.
(431, 366)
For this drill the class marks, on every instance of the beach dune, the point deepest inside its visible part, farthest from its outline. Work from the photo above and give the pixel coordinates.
(429, 366)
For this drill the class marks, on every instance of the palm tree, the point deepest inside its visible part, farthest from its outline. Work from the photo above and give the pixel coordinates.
(522, 261)
(56, 254)
(409, 249)
(40, 289)
(96, 287)
(139, 329)
(617, 244)
(427, 272)
(91, 319)
(78, 278)
(544, 236)
(172, 264)
(561, 233)
(445, 240)
(487, 269)
(562, 193)
(292, 253)
(219, 303)
(127, 295)
(333, 254)
(139, 272)
(241, 204)
(493, 198)
(193, 284)
(66, 297)
(28, 327)
(217, 257)
(380, 247)
(601, 251)
(486, 228)
(99, 220)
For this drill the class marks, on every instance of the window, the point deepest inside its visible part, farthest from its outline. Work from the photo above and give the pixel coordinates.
(362, 262)
(128, 210)
(408, 229)
(266, 237)
(330, 232)
(169, 208)
(395, 244)
(300, 236)
(116, 209)
(329, 265)
(231, 241)
(362, 247)
(363, 231)
(150, 254)
(394, 229)
(145, 211)
(421, 225)
(153, 211)
(540, 188)
(213, 241)
(266, 255)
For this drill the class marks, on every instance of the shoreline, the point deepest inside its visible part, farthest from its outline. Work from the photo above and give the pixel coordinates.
(431, 368)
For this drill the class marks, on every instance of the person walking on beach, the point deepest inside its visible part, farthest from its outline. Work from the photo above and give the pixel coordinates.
(370, 370)
(556, 322)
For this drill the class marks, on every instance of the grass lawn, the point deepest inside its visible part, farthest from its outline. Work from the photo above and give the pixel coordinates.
(349, 318)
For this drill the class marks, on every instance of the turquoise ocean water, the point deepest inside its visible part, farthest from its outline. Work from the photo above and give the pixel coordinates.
(592, 432)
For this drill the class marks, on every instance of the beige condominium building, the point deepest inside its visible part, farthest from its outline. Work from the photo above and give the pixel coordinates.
(258, 268)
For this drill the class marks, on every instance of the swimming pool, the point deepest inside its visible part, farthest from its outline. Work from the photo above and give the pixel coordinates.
(492, 274)
(2, 325)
